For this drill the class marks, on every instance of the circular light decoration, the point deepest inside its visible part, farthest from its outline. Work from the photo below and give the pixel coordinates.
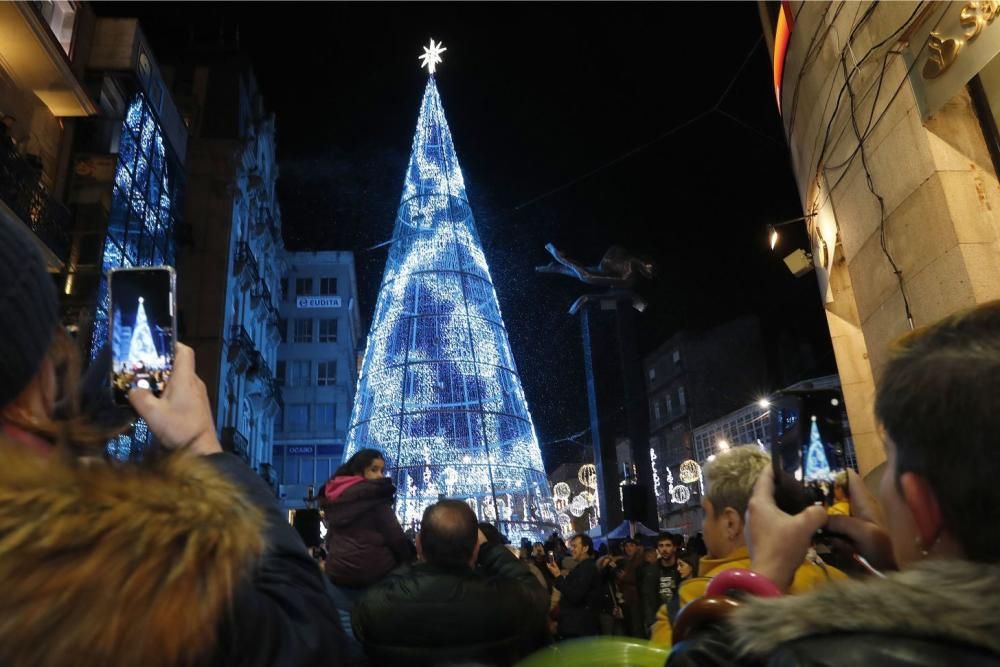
(561, 491)
(565, 523)
(589, 497)
(578, 506)
(681, 494)
(690, 471)
(588, 475)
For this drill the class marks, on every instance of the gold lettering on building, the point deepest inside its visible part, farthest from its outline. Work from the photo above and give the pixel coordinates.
(943, 51)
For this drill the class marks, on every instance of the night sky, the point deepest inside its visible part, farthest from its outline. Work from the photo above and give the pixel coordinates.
(571, 123)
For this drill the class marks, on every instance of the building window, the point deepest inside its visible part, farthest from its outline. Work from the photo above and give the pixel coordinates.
(656, 410)
(326, 373)
(668, 402)
(681, 399)
(280, 373)
(303, 286)
(61, 17)
(284, 289)
(328, 330)
(297, 417)
(327, 286)
(652, 374)
(677, 356)
(303, 331)
(326, 417)
(301, 374)
(279, 421)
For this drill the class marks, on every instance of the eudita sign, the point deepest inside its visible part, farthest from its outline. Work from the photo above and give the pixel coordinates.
(317, 302)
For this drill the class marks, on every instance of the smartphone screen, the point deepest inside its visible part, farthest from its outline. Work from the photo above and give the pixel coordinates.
(808, 443)
(142, 329)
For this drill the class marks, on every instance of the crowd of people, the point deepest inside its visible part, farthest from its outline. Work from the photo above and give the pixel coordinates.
(185, 558)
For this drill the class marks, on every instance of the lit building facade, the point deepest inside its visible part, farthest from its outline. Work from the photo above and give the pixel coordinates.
(44, 47)
(692, 378)
(229, 273)
(316, 369)
(897, 179)
(91, 156)
(127, 188)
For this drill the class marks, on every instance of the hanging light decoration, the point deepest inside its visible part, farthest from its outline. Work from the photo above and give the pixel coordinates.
(656, 475)
(588, 475)
(690, 472)
(681, 494)
(561, 491)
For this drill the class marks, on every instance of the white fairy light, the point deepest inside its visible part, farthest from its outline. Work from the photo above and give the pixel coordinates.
(681, 494)
(656, 475)
(690, 471)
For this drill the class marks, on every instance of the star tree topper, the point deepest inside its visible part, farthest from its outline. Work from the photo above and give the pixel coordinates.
(432, 55)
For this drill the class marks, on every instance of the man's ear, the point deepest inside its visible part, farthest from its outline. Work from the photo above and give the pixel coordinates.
(475, 555)
(420, 548)
(733, 524)
(923, 504)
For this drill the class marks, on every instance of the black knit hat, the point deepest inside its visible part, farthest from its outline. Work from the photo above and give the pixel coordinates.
(29, 309)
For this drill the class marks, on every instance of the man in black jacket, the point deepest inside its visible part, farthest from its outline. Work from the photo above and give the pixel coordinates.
(468, 600)
(580, 600)
(660, 580)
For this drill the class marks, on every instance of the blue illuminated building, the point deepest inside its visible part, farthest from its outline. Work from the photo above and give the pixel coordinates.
(228, 276)
(439, 393)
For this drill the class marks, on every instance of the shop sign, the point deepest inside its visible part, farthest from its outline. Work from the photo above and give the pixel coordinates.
(317, 302)
(300, 450)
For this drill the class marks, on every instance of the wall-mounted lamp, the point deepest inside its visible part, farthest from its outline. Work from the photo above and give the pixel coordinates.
(772, 230)
(799, 262)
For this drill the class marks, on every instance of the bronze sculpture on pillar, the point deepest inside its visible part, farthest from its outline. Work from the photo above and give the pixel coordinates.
(615, 391)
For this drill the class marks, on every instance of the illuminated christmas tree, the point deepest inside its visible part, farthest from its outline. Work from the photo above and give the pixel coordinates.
(817, 465)
(141, 349)
(439, 393)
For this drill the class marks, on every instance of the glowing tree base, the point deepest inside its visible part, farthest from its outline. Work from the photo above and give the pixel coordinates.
(439, 393)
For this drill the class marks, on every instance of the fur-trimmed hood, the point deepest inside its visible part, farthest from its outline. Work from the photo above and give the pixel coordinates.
(108, 565)
(951, 600)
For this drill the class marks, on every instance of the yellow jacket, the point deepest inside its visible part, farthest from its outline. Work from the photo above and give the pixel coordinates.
(841, 507)
(808, 576)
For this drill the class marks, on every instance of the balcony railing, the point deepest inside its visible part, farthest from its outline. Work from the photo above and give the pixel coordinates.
(235, 442)
(241, 348)
(245, 266)
(22, 189)
(260, 297)
(270, 476)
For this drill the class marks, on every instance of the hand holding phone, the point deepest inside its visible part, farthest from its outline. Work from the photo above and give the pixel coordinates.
(143, 321)
(864, 528)
(182, 417)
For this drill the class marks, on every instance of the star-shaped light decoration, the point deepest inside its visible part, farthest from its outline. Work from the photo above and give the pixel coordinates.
(432, 55)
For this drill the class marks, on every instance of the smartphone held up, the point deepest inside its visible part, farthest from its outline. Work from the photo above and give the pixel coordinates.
(810, 449)
(142, 332)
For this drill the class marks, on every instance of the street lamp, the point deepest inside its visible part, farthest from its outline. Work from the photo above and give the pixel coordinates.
(772, 229)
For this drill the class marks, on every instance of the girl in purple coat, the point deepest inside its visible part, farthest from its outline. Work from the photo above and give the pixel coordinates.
(364, 541)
